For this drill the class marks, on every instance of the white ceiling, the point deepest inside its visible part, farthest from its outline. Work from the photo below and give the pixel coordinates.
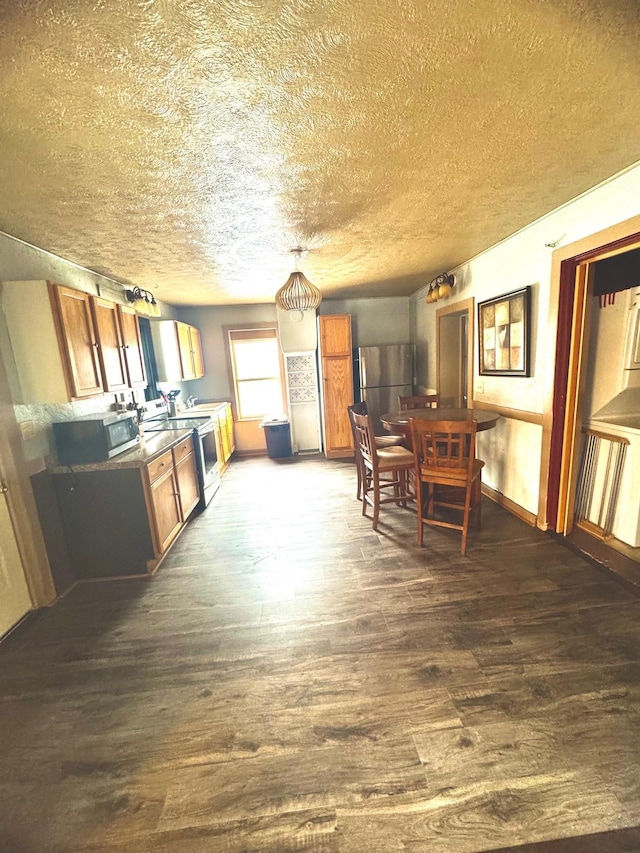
(187, 145)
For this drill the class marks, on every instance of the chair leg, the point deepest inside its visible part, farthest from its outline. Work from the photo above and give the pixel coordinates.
(376, 502)
(419, 487)
(465, 522)
(359, 473)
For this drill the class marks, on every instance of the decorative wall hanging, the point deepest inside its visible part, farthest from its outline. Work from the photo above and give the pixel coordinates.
(503, 334)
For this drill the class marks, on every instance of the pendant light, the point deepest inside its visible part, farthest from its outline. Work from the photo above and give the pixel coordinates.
(297, 293)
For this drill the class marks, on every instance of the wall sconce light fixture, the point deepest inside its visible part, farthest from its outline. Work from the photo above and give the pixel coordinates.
(143, 301)
(440, 287)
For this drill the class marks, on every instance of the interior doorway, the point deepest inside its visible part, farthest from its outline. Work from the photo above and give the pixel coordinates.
(454, 354)
(15, 599)
(573, 274)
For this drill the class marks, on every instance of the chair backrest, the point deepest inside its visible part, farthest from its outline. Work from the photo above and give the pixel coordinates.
(418, 401)
(356, 409)
(364, 438)
(444, 448)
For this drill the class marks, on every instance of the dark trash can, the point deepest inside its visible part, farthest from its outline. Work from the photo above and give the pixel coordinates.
(277, 431)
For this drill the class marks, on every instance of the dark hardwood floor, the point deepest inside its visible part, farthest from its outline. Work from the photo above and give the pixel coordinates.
(292, 681)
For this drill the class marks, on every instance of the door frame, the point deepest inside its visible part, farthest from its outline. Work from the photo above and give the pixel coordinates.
(462, 307)
(23, 513)
(568, 338)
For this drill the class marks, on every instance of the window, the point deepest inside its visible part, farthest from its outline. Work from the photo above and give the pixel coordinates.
(255, 362)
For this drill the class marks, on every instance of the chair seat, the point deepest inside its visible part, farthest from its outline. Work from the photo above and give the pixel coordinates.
(389, 440)
(392, 457)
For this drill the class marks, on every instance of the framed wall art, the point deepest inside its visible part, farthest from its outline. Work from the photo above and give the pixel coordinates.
(503, 334)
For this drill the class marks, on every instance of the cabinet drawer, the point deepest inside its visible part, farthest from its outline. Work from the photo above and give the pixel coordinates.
(183, 449)
(160, 466)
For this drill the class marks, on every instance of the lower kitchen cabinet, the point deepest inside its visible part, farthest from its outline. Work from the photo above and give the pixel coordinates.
(120, 521)
(174, 492)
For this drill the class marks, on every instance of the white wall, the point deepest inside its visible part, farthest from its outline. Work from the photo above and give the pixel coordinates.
(513, 453)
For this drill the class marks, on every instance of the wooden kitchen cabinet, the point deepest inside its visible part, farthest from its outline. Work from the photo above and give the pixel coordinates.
(336, 367)
(186, 477)
(110, 344)
(78, 341)
(190, 351)
(178, 350)
(119, 345)
(121, 521)
(174, 491)
(225, 419)
(132, 342)
(165, 507)
(68, 344)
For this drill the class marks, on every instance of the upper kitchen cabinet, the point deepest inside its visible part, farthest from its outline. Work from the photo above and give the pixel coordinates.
(190, 348)
(119, 346)
(68, 345)
(178, 351)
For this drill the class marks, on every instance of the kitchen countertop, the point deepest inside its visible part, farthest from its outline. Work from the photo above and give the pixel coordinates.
(152, 444)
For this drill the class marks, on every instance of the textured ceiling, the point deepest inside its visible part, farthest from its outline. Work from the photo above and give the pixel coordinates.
(187, 145)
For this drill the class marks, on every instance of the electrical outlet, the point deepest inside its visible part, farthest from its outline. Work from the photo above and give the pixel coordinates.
(479, 387)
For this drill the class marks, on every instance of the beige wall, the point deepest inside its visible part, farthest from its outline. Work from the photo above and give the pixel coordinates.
(513, 453)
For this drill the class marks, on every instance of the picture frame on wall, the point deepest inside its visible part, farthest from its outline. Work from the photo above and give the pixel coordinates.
(503, 334)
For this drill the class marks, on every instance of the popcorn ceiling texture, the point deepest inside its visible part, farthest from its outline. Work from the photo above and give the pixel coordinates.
(187, 145)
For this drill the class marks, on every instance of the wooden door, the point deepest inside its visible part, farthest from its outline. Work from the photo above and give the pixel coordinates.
(111, 346)
(15, 600)
(78, 341)
(134, 359)
(196, 353)
(187, 480)
(183, 332)
(337, 384)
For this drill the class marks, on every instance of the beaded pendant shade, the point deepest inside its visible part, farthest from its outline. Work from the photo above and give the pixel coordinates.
(297, 293)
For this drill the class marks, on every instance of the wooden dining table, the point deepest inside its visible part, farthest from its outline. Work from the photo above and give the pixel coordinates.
(399, 421)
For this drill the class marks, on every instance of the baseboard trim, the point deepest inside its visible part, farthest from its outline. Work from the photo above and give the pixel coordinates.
(515, 509)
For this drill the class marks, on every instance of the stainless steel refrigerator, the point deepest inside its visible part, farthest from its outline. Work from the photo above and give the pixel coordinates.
(381, 375)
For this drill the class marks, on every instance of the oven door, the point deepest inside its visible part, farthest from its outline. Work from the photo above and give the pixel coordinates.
(209, 461)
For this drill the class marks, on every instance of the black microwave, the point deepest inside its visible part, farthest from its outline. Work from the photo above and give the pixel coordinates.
(95, 438)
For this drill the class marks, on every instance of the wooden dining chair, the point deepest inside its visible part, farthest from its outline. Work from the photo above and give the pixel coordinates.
(447, 472)
(385, 469)
(380, 441)
(419, 401)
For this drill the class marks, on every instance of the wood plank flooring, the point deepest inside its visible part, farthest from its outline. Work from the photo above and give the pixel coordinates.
(292, 681)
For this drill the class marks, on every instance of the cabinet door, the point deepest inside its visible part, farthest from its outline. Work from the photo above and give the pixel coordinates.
(232, 440)
(187, 479)
(78, 341)
(224, 439)
(166, 509)
(337, 379)
(335, 334)
(111, 347)
(132, 343)
(219, 444)
(196, 353)
(183, 332)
